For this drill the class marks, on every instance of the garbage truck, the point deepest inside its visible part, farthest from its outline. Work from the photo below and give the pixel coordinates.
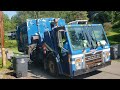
(62, 48)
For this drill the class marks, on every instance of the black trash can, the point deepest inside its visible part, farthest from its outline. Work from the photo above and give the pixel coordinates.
(20, 65)
(114, 50)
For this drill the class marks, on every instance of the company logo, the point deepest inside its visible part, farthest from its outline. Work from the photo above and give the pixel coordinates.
(93, 51)
(22, 61)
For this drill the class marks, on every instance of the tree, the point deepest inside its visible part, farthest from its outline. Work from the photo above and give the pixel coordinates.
(99, 16)
(21, 16)
(67, 15)
(7, 23)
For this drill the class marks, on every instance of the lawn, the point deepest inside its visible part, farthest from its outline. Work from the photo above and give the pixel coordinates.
(114, 36)
(12, 45)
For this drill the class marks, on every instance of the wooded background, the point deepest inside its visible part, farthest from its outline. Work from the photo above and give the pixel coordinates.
(109, 19)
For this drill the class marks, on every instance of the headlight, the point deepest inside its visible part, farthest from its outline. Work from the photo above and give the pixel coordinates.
(106, 56)
(78, 63)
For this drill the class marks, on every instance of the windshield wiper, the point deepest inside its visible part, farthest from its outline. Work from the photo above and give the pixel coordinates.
(94, 41)
(86, 38)
(82, 37)
(91, 39)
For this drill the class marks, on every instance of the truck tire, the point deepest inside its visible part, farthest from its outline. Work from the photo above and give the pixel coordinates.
(52, 67)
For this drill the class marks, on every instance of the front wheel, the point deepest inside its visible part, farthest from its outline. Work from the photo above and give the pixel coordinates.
(52, 68)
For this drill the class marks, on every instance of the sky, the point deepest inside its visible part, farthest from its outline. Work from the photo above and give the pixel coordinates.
(10, 13)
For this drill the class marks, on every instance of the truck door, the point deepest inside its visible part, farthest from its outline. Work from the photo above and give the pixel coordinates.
(63, 51)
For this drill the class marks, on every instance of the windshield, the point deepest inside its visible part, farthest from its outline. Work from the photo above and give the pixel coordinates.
(99, 34)
(86, 36)
(77, 38)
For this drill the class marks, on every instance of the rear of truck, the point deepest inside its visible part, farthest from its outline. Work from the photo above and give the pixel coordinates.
(27, 35)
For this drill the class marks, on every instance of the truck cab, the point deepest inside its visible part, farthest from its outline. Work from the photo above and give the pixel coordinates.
(87, 48)
(82, 48)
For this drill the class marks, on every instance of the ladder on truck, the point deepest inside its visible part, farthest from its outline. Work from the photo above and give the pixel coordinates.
(79, 22)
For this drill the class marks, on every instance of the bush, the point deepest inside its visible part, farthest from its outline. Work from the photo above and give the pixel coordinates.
(8, 64)
(116, 24)
(107, 26)
(10, 43)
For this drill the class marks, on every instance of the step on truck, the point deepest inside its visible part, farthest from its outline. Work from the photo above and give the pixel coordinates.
(64, 49)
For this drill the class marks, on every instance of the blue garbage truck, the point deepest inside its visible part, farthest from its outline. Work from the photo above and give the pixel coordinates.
(64, 49)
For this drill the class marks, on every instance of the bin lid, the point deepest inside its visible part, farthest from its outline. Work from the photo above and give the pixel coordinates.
(21, 56)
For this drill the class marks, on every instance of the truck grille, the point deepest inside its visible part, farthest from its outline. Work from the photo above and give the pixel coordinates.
(93, 59)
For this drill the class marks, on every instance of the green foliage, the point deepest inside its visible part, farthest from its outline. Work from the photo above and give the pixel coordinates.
(8, 64)
(107, 26)
(6, 22)
(113, 36)
(116, 24)
(76, 15)
(10, 43)
(67, 15)
(99, 16)
(103, 17)
(93, 16)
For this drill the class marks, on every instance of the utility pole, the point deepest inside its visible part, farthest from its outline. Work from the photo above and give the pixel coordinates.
(2, 40)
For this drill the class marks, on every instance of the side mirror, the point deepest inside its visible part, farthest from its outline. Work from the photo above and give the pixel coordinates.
(60, 43)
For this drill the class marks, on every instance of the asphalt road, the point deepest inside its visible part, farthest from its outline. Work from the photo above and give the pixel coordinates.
(109, 72)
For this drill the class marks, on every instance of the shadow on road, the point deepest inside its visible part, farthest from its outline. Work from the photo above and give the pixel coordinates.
(88, 74)
(37, 71)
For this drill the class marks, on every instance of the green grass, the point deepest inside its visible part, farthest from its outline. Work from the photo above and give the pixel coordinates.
(8, 64)
(10, 43)
(118, 60)
(114, 36)
(12, 46)
(15, 50)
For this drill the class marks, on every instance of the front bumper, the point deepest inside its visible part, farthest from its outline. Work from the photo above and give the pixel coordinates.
(83, 71)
